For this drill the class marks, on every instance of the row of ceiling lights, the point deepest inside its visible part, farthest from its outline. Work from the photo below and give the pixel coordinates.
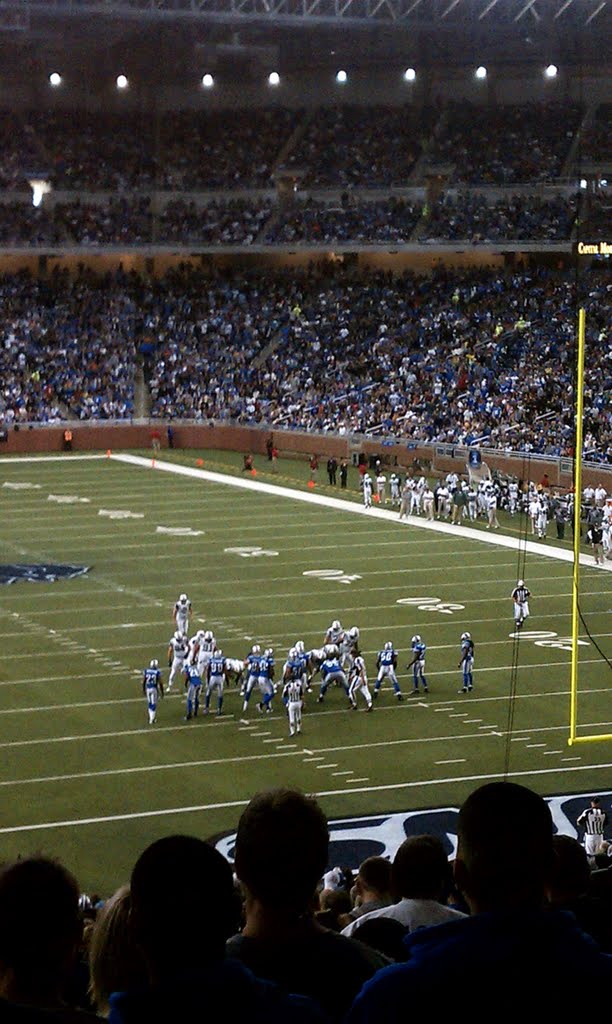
(208, 81)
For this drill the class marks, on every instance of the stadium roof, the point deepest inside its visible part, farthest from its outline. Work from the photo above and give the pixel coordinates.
(366, 32)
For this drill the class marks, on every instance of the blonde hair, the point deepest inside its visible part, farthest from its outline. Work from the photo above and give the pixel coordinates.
(115, 961)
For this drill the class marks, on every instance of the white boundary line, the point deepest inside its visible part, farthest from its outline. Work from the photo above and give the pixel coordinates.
(342, 505)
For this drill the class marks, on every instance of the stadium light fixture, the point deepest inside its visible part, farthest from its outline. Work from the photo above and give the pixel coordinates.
(208, 81)
(121, 82)
(55, 79)
(274, 78)
(341, 77)
(410, 74)
(481, 72)
(551, 71)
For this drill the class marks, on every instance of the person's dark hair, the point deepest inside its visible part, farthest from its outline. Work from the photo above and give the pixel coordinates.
(40, 924)
(281, 849)
(375, 873)
(183, 897)
(386, 935)
(505, 848)
(570, 875)
(420, 869)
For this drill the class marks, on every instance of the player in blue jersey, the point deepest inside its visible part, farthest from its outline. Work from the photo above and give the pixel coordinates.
(304, 658)
(467, 662)
(251, 663)
(152, 687)
(216, 675)
(418, 665)
(193, 685)
(332, 672)
(265, 681)
(386, 663)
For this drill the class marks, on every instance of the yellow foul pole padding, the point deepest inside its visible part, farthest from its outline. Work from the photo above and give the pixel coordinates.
(577, 498)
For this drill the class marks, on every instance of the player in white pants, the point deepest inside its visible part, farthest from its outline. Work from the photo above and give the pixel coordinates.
(178, 649)
(358, 681)
(293, 693)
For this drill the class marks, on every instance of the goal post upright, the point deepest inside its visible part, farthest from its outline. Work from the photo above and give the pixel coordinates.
(579, 405)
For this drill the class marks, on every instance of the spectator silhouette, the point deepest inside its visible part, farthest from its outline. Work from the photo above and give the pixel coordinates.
(40, 931)
(512, 954)
(372, 889)
(115, 961)
(184, 906)
(281, 854)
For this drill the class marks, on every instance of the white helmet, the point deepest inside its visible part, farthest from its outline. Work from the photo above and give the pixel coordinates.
(520, 583)
(466, 636)
(255, 649)
(154, 663)
(336, 624)
(208, 634)
(416, 639)
(354, 633)
(178, 635)
(183, 597)
(293, 652)
(218, 653)
(200, 634)
(300, 646)
(388, 646)
(268, 652)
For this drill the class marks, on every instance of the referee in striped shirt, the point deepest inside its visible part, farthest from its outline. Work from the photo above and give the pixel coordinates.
(593, 820)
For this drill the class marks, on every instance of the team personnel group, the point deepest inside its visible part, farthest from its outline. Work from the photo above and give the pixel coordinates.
(200, 664)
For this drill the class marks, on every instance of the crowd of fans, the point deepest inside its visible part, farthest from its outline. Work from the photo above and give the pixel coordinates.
(460, 357)
(383, 220)
(341, 146)
(283, 938)
(505, 145)
(469, 215)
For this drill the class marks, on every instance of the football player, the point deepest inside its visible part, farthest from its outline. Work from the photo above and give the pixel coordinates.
(215, 680)
(466, 663)
(332, 672)
(418, 665)
(193, 685)
(152, 687)
(334, 633)
(252, 673)
(386, 663)
(178, 649)
(349, 647)
(206, 647)
(182, 613)
(358, 682)
(265, 681)
(367, 490)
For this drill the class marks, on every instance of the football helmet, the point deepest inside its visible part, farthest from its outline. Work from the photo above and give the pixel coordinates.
(388, 646)
(178, 635)
(268, 652)
(293, 652)
(200, 634)
(336, 624)
(299, 647)
(255, 649)
(354, 633)
(218, 653)
(208, 635)
(154, 663)
(466, 636)
(183, 597)
(416, 639)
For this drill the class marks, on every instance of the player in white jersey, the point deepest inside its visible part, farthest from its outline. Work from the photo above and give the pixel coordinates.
(194, 643)
(349, 648)
(542, 517)
(178, 649)
(492, 521)
(520, 602)
(182, 613)
(443, 502)
(358, 683)
(367, 491)
(513, 497)
(534, 509)
(381, 487)
(334, 634)
(416, 497)
(206, 648)
(152, 687)
(395, 489)
(472, 503)
(428, 503)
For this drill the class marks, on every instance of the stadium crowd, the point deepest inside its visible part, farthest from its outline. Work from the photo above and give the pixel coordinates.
(456, 357)
(469, 215)
(383, 220)
(282, 936)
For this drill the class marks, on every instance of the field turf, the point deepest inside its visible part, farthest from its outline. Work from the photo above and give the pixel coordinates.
(84, 777)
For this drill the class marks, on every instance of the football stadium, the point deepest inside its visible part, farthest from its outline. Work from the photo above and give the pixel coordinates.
(306, 486)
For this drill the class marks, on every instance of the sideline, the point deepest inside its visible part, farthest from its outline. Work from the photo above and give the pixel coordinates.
(324, 501)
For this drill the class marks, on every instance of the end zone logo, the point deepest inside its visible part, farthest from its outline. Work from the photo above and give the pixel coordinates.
(351, 840)
(40, 573)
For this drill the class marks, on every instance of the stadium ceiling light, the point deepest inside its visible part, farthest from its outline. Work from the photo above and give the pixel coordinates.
(410, 74)
(481, 72)
(341, 77)
(551, 71)
(274, 78)
(121, 82)
(55, 79)
(208, 81)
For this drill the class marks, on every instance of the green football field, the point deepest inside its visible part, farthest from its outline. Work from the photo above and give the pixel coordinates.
(84, 777)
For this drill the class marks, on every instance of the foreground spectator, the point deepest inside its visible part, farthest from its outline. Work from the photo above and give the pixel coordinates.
(183, 909)
(281, 854)
(115, 961)
(512, 953)
(372, 890)
(40, 932)
(420, 881)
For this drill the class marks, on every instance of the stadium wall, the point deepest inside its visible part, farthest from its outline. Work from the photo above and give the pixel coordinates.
(434, 459)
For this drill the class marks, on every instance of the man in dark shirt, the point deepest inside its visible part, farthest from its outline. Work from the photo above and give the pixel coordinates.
(281, 854)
